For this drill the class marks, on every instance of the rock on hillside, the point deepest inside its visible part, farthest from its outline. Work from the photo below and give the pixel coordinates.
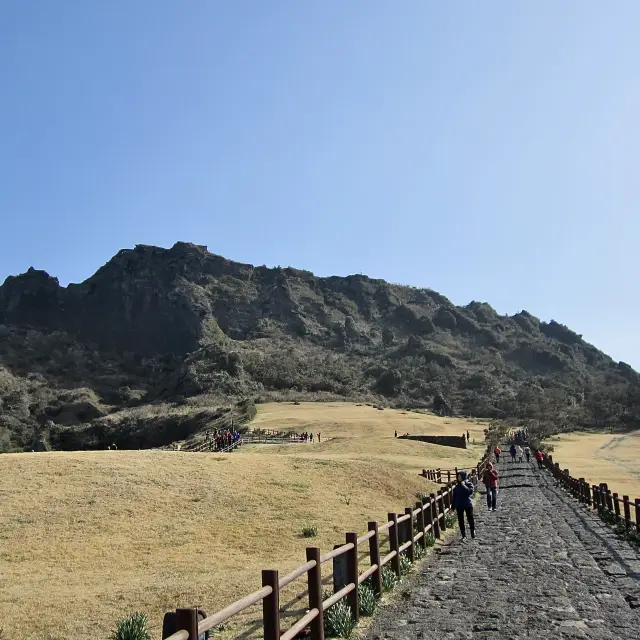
(172, 323)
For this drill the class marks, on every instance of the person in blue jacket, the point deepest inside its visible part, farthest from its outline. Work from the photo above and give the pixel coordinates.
(461, 501)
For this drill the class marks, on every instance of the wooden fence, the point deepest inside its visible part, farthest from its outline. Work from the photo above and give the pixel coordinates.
(599, 497)
(446, 476)
(404, 531)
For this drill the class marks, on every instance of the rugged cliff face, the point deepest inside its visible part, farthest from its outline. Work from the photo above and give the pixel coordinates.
(167, 324)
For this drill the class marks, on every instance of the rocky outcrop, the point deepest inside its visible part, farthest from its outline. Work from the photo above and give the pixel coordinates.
(157, 323)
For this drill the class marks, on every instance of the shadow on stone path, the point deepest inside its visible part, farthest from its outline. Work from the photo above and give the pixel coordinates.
(542, 566)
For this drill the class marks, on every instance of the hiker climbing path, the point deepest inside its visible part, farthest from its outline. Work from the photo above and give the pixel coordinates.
(542, 566)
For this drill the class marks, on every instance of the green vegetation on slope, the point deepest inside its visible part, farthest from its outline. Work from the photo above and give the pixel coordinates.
(168, 325)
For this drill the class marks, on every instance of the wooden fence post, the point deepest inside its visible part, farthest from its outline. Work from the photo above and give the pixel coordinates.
(443, 524)
(314, 583)
(271, 606)
(601, 501)
(638, 515)
(393, 542)
(439, 478)
(616, 506)
(627, 512)
(188, 619)
(374, 558)
(609, 499)
(353, 574)
(435, 517)
(596, 497)
(446, 498)
(408, 511)
(448, 476)
(423, 540)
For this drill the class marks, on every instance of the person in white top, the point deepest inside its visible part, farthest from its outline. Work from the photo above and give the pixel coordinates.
(519, 453)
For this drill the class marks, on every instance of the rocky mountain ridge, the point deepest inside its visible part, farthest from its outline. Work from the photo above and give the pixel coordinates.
(168, 325)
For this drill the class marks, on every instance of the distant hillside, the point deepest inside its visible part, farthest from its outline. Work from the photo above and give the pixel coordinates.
(159, 324)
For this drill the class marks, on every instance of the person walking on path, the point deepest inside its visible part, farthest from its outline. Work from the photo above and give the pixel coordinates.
(520, 453)
(490, 481)
(461, 501)
(527, 453)
(539, 458)
(512, 451)
(496, 452)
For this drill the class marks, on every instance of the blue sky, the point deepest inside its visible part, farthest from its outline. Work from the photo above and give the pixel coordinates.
(489, 151)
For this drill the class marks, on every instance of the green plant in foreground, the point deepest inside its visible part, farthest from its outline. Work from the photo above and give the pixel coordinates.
(367, 599)
(310, 531)
(421, 495)
(430, 539)
(405, 565)
(338, 621)
(418, 552)
(132, 627)
(451, 520)
(389, 579)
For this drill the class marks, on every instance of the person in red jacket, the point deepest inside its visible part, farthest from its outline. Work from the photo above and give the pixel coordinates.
(539, 458)
(496, 452)
(490, 481)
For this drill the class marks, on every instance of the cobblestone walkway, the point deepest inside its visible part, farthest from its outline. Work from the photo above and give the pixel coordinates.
(541, 567)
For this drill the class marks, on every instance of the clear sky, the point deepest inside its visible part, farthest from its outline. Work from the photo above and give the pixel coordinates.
(488, 150)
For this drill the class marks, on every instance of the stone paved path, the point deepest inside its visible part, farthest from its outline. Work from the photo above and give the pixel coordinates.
(541, 567)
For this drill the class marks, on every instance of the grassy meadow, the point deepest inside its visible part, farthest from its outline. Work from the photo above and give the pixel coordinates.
(90, 536)
(601, 457)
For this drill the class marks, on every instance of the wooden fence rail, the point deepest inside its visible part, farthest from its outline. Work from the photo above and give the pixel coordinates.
(610, 506)
(405, 531)
(447, 476)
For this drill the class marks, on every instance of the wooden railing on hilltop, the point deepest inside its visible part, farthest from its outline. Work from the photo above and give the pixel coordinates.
(404, 532)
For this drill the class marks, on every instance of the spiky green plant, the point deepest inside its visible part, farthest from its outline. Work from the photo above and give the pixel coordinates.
(135, 626)
(389, 579)
(338, 621)
(405, 565)
(367, 600)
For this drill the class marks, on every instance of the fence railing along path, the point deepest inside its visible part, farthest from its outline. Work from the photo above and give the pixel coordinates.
(404, 532)
(618, 509)
(447, 476)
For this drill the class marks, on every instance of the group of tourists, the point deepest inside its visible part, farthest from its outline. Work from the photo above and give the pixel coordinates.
(220, 439)
(305, 437)
(462, 495)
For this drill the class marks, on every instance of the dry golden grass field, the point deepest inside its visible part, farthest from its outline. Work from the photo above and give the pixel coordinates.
(599, 457)
(87, 537)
